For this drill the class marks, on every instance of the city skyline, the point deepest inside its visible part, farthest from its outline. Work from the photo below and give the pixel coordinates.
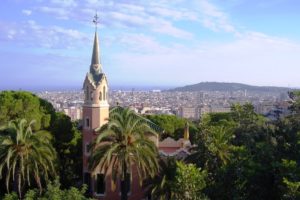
(47, 44)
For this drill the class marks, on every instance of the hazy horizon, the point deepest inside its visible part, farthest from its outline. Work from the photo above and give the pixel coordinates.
(48, 44)
(118, 87)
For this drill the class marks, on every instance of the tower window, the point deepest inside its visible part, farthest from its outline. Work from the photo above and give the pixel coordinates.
(87, 148)
(100, 96)
(104, 93)
(100, 184)
(87, 122)
(91, 96)
(87, 93)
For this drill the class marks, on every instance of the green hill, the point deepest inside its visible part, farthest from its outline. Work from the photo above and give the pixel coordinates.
(218, 86)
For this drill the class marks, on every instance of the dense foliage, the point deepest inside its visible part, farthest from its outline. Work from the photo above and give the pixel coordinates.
(65, 138)
(238, 155)
(173, 126)
(53, 192)
(248, 156)
(68, 144)
(178, 181)
(25, 105)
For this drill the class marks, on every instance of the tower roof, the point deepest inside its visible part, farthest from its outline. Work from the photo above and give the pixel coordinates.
(95, 74)
(95, 56)
(95, 62)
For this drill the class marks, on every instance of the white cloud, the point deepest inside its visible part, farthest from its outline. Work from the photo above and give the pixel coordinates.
(11, 34)
(128, 19)
(154, 24)
(126, 14)
(32, 34)
(60, 13)
(27, 12)
(140, 43)
(182, 14)
(65, 3)
(256, 58)
(213, 18)
(167, 28)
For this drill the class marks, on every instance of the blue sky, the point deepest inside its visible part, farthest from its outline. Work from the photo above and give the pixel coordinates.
(48, 43)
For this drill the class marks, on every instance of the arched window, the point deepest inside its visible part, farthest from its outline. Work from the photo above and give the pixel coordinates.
(100, 96)
(87, 93)
(100, 184)
(87, 122)
(91, 96)
(104, 93)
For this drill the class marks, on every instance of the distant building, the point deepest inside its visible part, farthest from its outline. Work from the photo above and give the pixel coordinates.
(75, 113)
(220, 109)
(200, 98)
(189, 112)
(264, 107)
(204, 110)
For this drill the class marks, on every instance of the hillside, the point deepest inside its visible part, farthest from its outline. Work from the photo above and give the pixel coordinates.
(218, 86)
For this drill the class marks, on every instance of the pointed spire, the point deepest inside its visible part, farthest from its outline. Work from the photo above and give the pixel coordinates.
(95, 56)
(95, 62)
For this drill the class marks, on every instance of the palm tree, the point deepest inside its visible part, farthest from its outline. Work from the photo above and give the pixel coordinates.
(218, 142)
(24, 154)
(122, 143)
(215, 146)
(161, 186)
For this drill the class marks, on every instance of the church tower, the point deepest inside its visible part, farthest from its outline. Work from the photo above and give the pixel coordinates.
(95, 110)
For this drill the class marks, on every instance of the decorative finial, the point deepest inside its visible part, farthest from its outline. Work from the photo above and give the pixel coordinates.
(96, 20)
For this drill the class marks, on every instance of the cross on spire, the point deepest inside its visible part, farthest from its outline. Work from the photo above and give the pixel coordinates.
(96, 20)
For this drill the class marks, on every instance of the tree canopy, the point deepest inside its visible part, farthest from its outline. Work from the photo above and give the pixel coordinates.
(25, 105)
(173, 126)
(65, 137)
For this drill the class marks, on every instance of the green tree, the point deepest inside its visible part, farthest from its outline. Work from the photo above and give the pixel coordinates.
(24, 154)
(68, 144)
(214, 141)
(173, 126)
(179, 181)
(122, 143)
(295, 102)
(238, 150)
(67, 140)
(218, 140)
(189, 182)
(25, 105)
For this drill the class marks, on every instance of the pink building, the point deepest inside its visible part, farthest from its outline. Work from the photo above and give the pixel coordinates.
(95, 113)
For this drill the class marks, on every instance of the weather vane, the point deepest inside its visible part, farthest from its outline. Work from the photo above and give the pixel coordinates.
(96, 20)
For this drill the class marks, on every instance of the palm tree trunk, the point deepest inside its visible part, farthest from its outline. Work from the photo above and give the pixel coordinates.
(17, 183)
(124, 183)
(38, 181)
